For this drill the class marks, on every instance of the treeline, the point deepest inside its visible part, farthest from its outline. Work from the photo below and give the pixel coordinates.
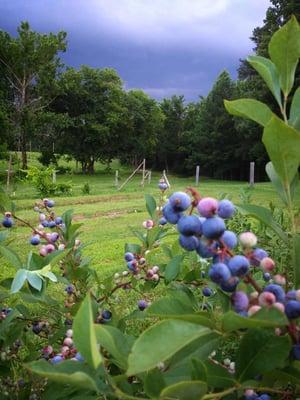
(88, 115)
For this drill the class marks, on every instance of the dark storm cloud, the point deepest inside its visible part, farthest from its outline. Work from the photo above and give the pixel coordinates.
(164, 46)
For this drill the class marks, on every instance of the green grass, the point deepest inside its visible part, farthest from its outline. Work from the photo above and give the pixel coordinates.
(107, 214)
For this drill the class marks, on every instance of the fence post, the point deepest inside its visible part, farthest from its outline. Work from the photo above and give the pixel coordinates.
(54, 176)
(197, 175)
(9, 171)
(149, 177)
(117, 179)
(252, 167)
(144, 172)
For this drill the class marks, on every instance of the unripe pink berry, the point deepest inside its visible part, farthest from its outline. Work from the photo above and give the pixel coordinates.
(150, 273)
(7, 214)
(77, 242)
(43, 251)
(267, 264)
(50, 248)
(48, 350)
(279, 279)
(248, 239)
(155, 277)
(266, 299)
(254, 295)
(278, 331)
(142, 261)
(69, 333)
(249, 393)
(42, 217)
(148, 224)
(155, 269)
(48, 236)
(65, 350)
(207, 207)
(279, 306)
(61, 246)
(253, 309)
(68, 342)
(40, 226)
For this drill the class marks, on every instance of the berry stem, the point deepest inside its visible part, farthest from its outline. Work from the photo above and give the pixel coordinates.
(249, 280)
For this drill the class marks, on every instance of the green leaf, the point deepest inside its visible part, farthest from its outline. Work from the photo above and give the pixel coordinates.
(187, 390)
(265, 216)
(150, 205)
(217, 376)
(19, 280)
(274, 178)
(84, 334)
(289, 374)
(34, 280)
(154, 383)
(268, 71)
(283, 146)
(115, 342)
(266, 317)
(284, 50)
(153, 235)
(295, 110)
(249, 108)
(154, 344)
(198, 370)
(68, 372)
(11, 257)
(261, 351)
(173, 268)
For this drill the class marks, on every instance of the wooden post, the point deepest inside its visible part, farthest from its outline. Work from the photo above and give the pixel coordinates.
(134, 172)
(197, 175)
(165, 178)
(149, 177)
(53, 148)
(54, 176)
(30, 146)
(251, 179)
(117, 179)
(9, 172)
(144, 172)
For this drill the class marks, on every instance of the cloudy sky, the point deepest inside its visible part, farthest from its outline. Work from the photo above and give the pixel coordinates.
(164, 47)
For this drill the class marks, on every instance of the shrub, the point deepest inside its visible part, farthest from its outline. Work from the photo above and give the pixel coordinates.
(86, 189)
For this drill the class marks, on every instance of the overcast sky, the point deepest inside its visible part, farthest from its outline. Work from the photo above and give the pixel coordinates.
(164, 47)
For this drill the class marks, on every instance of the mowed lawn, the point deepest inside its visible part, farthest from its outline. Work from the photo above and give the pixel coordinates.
(107, 214)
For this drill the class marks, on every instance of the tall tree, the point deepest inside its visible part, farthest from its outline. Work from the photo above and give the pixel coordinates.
(30, 64)
(93, 102)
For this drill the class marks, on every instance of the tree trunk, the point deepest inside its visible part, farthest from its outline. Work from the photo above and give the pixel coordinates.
(23, 148)
(91, 169)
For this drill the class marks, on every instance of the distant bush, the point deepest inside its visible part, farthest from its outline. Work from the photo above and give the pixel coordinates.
(41, 178)
(86, 189)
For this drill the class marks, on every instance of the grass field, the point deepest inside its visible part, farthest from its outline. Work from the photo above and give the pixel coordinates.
(106, 213)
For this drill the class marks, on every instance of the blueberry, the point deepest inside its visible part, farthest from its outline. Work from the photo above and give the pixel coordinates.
(207, 207)
(106, 314)
(239, 265)
(142, 304)
(189, 225)
(240, 301)
(36, 328)
(204, 250)
(35, 240)
(226, 209)
(163, 186)
(213, 228)
(51, 224)
(189, 243)
(277, 291)
(229, 238)
(219, 273)
(266, 276)
(264, 396)
(79, 357)
(50, 203)
(58, 220)
(257, 255)
(45, 223)
(171, 216)
(230, 285)
(129, 256)
(295, 353)
(291, 295)
(180, 201)
(206, 291)
(57, 359)
(162, 221)
(132, 265)
(7, 222)
(292, 309)
(70, 289)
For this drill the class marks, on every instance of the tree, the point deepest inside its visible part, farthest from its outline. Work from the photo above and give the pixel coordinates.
(30, 64)
(92, 101)
(144, 122)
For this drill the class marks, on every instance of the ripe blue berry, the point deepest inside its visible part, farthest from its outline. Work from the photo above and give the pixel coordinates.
(226, 209)
(219, 273)
(240, 301)
(266, 276)
(229, 238)
(189, 243)
(70, 289)
(189, 225)
(230, 285)
(292, 309)
(35, 240)
(132, 265)
(206, 291)
(106, 314)
(295, 353)
(171, 216)
(213, 228)
(58, 220)
(57, 359)
(239, 265)
(291, 295)
(162, 221)
(277, 291)
(51, 224)
(142, 304)
(204, 250)
(45, 223)
(163, 186)
(264, 396)
(257, 255)
(50, 203)
(128, 256)
(79, 357)
(180, 201)
(7, 222)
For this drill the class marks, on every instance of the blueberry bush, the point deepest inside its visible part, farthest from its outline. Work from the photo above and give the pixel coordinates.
(224, 322)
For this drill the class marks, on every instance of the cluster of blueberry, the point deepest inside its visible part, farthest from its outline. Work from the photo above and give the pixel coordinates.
(207, 235)
(136, 264)
(67, 351)
(4, 312)
(7, 221)
(250, 394)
